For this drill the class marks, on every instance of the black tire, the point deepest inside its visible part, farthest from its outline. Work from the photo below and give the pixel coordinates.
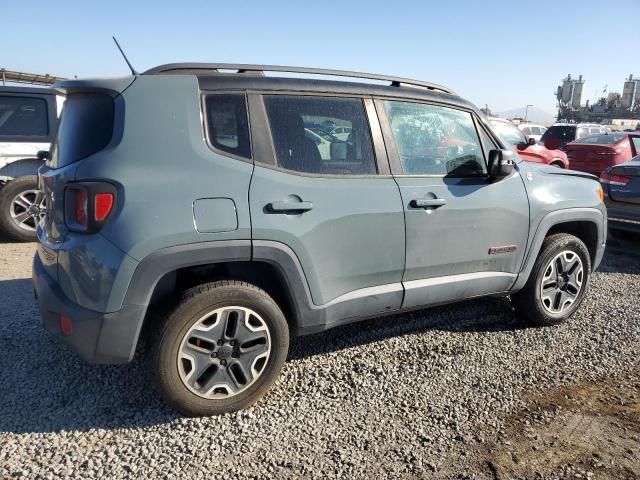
(167, 338)
(9, 229)
(529, 303)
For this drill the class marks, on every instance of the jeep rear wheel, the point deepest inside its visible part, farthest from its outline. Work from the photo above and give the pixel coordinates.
(558, 282)
(220, 349)
(21, 208)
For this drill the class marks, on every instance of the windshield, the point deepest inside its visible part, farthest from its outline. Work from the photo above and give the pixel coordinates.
(509, 132)
(606, 139)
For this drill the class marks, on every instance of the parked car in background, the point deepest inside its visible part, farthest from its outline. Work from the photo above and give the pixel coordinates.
(528, 149)
(621, 185)
(532, 131)
(28, 124)
(595, 153)
(559, 134)
(341, 133)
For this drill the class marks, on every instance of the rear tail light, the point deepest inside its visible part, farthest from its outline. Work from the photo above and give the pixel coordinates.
(88, 205)
(103, 206)
(66, 325)
(610, 179)
(81, 217)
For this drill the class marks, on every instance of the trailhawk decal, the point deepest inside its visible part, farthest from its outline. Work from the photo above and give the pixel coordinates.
(505, 249)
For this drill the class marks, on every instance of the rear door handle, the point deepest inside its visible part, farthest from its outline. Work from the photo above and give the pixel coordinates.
(287, 207)
(428, 202)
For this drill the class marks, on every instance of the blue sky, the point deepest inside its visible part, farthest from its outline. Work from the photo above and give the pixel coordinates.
(503, 53)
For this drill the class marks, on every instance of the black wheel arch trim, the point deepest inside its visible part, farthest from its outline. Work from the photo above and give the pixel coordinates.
(553, 219)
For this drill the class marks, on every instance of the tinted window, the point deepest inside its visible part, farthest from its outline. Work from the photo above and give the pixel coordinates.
(434, 140)
(594, 130)
(563, 133)
(305, 138)
(86, 127)
(601, 139)
(23, 116)
(227, 123)
(536, 131)
(526, 130)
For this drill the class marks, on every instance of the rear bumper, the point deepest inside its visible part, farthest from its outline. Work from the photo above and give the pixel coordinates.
(97, 337)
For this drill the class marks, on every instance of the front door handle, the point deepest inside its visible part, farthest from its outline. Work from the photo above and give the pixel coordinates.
(428, 202)
(289, 207)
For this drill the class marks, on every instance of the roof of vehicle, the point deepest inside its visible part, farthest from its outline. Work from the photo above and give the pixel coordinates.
(215, 68)
(242, 76)
(531, 125)
(564, 124)
(501, 120)
(28, 90)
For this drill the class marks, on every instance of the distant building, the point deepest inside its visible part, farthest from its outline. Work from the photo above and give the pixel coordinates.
(625, 107)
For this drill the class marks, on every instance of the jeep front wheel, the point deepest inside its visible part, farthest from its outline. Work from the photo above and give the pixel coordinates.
(220, 349)
(558, 282)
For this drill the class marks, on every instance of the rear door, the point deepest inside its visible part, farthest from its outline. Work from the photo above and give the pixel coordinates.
(337, 209)
(465, 235)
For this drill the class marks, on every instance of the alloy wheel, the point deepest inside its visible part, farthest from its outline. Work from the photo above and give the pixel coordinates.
(562, 282)
(27, 209)
(224, 352)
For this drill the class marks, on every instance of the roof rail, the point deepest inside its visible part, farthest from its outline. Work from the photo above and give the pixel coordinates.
(31, 78)
(260, 69)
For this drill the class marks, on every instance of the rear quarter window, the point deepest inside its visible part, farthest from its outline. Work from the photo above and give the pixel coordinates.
(228, 124)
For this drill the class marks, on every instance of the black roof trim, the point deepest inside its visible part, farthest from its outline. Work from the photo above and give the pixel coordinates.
(196, 68)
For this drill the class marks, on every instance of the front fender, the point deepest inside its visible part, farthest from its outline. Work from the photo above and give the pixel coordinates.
(550, 220)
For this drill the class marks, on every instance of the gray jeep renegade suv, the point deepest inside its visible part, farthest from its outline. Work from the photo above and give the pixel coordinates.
(215, 212)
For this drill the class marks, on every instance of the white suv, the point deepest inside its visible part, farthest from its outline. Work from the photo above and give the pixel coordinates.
(532, 130)
(28, 124)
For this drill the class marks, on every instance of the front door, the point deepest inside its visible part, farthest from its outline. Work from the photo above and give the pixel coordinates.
(465, 235)
(324, 198)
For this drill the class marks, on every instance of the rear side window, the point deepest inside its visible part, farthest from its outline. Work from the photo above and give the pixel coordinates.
(562, 133)
(604, 139)
(435, 140)
(86, 127)
(23, 116)
(322, 135)
(228, 124)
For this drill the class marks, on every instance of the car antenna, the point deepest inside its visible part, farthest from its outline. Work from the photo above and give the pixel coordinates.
(133, 70)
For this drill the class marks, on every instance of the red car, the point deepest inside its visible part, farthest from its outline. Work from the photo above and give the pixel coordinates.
(596, 153)
(528, 149)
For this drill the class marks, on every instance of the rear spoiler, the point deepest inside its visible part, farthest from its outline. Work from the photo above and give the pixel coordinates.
(110, 86)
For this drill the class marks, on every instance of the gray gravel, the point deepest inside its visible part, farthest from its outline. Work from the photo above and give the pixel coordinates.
(408, 396)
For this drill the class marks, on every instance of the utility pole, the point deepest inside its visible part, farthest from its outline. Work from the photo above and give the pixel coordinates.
(526, 111)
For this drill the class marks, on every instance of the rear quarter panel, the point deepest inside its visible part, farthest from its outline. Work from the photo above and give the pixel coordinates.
(162, 165)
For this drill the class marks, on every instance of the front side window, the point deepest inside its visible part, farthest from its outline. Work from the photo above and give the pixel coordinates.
(321, 135)
(23, 116)
(434, 140)
(228, 124)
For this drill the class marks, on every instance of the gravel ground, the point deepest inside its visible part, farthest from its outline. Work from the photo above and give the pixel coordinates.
(420, 395)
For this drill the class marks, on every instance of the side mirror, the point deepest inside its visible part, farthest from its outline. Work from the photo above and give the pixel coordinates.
(500, 164)
(338, 151)
(531, 141)
(44, 155)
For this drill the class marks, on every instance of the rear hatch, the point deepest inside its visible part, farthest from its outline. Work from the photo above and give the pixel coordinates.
(591, 158)
(87, 126)
(627, 190)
